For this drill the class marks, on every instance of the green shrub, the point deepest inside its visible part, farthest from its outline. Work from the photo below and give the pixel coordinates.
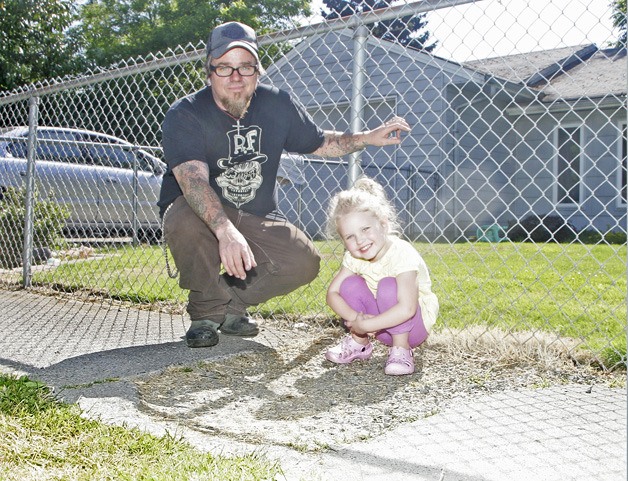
(49, 220)
(540, 229)
(615, 238)
(593, 236)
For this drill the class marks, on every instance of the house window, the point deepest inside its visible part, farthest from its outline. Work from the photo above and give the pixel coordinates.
(622, 155)
(568, 164)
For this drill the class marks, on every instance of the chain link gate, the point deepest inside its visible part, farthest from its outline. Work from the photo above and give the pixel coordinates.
(512, 182)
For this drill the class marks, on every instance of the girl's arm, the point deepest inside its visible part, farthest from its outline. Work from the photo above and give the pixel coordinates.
(406, 307)
(337, 303)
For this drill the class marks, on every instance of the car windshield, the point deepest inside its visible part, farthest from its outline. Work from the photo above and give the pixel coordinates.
(16, 148)
(56, 146)
(47, 149)
(89, 149)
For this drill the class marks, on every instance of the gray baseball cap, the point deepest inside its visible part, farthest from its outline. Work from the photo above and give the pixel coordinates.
(231, 35)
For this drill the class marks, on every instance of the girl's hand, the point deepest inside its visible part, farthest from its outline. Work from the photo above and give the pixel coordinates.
(360, 325)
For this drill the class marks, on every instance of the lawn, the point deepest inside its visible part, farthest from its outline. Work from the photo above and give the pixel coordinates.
(42, 439)
(576, 291)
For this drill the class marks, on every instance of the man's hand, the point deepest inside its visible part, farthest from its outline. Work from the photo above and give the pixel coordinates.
(235, 254)
(389, 133)
(337, 144)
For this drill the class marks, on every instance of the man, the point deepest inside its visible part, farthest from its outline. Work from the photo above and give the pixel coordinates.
(223, 145)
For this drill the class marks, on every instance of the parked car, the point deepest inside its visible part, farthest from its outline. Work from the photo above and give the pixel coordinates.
(94, 175)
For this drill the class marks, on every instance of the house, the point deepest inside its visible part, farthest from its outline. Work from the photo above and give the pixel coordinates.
(568, 146)
(492, 142)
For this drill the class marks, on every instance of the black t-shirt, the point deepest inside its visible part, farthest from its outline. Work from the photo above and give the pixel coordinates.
(243, 155)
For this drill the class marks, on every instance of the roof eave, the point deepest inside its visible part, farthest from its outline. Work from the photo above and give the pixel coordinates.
(567, 105)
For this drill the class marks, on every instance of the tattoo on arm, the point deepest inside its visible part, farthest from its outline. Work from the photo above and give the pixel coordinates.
(193, 177)
(337, 144)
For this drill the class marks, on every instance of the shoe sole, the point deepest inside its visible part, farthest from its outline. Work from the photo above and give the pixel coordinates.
(342, 361)
(201, 342)
(398, 373)
(360, 356)
(239, 326)
(240, 334)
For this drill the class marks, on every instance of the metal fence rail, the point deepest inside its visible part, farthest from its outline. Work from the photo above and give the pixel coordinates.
(529, 142)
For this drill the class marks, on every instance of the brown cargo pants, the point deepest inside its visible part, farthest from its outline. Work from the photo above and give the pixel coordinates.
(286, 259)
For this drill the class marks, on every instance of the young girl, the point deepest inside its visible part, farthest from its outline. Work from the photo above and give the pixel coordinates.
(383, 287)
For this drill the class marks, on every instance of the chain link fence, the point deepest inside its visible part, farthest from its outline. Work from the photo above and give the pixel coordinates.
(512, 182)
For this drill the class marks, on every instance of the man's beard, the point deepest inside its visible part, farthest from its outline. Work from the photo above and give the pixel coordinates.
(236, 107)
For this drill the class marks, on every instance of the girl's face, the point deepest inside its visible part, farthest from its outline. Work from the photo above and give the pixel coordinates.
(364, 235)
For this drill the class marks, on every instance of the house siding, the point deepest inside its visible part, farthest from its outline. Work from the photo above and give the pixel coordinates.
(475, 155)
(410, 89)
(536, 178)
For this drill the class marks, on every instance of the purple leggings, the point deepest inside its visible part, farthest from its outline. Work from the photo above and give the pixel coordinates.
(356, 293)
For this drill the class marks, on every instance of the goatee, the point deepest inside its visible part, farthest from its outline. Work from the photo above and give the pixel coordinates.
(237, 108)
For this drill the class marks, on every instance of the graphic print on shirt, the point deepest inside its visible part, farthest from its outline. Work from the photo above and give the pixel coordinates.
(242, 174)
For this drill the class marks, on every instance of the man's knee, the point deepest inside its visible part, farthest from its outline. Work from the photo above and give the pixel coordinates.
(308, 268)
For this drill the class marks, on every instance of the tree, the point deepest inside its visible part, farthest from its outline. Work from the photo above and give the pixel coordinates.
(619, 20)
(33, 44)
(114, 30)
(408, 31)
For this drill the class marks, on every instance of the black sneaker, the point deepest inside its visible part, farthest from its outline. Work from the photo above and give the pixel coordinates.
(236, 325)
(202, 334)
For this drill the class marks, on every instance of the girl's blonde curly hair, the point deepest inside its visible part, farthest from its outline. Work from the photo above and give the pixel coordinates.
(366, 195)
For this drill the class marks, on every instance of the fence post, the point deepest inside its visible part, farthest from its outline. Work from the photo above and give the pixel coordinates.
(27, 251)
(623, 161)
(357, 98)
(135, 224)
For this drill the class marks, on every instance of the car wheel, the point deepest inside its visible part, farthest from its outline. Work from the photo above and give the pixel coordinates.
(150, 235)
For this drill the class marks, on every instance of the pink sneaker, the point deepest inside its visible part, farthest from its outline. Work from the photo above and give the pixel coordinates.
(399, 362)
(349, 350)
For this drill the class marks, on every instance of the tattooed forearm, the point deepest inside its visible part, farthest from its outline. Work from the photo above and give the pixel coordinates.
(204, 201)
(337, 144)
(193, 177)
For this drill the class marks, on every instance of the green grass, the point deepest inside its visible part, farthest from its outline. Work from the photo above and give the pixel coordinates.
(42, 439)
(575, 291)
(125, 273)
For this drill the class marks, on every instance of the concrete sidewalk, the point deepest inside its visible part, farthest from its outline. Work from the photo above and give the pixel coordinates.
(96, 355)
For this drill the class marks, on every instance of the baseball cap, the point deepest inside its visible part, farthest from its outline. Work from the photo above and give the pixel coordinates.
(231, 35)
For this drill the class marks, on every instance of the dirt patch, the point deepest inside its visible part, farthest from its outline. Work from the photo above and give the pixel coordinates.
(288, 394)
